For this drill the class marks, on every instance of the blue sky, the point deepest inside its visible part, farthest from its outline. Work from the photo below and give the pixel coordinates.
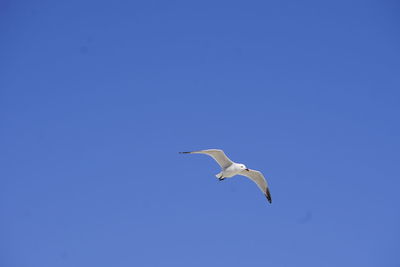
(97, 98)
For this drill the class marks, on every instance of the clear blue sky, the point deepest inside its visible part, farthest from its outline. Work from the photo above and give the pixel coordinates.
(97, 98)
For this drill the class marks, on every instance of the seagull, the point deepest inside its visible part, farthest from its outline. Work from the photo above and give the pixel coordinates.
(230, 169)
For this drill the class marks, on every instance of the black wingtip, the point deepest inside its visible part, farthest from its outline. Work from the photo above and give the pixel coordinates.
(184, 152)
(268, 195)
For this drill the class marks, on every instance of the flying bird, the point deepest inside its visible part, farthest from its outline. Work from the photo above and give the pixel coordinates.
(230, 169)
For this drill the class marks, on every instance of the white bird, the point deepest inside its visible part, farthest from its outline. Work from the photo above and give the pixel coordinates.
(230, 169)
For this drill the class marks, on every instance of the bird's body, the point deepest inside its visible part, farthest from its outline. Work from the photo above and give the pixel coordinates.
(230, 169)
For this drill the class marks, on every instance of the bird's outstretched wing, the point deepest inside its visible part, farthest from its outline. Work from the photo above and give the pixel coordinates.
(217, 154)
(259, 179)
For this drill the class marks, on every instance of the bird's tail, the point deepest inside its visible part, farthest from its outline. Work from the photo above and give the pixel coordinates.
(219, 175)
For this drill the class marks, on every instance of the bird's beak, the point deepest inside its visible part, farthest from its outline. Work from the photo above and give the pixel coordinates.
(247, 170)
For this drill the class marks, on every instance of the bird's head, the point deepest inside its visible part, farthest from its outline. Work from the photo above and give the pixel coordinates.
(243, 167)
